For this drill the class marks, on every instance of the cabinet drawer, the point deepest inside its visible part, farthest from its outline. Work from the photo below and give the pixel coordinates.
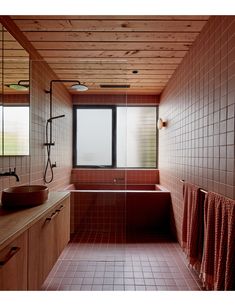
(13, 264)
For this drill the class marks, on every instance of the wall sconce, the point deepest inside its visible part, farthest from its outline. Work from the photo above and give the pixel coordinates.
(161, 123)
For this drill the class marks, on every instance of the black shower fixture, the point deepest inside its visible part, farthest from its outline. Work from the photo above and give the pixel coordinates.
(49, 142)
(22, 85)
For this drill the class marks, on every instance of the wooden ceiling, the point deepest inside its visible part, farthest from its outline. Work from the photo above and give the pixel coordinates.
(106, 49)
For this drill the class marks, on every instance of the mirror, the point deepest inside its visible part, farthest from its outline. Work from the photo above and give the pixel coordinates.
(15, 99)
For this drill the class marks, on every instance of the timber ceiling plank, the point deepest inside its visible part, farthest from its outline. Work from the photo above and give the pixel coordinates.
(113, 17)
(156, 46)
(100, 36)
(112, 54)
(110, 25)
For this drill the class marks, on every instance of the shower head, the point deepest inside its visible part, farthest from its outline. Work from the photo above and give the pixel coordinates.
(56, 117)
(19, 85)
(79, 87)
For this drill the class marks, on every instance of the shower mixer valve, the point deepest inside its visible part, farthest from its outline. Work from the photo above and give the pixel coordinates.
(54, 165)
(49, 143)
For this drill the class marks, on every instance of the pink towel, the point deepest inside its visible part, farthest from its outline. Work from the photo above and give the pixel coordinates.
(192, 231)
(218, 262)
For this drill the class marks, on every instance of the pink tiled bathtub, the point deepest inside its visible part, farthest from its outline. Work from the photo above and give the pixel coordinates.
(115, 207)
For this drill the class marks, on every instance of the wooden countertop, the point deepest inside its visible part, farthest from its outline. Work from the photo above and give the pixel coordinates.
(15, 222)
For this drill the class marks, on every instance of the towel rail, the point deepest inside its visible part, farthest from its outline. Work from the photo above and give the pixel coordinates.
(202, 190)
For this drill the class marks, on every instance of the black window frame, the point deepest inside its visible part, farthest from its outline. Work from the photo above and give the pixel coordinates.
(114, 134)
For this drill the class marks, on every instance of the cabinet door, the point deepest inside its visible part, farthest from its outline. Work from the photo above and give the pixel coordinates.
(42, 250)
(62, 226)
(13, 264)
(47, 239)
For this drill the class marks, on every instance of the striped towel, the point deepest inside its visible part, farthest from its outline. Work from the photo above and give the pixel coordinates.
(192, 230)
(218, 262)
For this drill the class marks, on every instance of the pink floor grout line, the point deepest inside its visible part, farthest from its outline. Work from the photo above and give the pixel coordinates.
(103, 262)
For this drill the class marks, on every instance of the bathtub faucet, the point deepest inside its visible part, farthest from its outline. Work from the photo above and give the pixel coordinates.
(118, 180)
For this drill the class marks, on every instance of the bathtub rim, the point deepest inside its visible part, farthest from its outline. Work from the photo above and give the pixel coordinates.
(162, 189)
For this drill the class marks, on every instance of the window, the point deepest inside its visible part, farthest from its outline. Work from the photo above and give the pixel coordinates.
(136, 137)
(94, 137)
(115, 136)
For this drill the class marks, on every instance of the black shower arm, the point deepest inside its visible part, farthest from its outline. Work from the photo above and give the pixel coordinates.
(61, 81)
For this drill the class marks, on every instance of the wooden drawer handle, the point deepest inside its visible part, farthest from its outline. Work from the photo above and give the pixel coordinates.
(61, 208)
(9, 255)
(53, 215)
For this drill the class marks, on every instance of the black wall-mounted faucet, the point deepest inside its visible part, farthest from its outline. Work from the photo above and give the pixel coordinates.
(11, 173)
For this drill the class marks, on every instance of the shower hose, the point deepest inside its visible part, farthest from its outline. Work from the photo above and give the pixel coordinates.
(49, 166)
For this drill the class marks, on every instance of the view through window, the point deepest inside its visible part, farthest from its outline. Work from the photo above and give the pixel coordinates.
(14, 130)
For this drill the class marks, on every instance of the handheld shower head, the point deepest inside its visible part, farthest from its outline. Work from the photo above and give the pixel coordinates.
(56, 117)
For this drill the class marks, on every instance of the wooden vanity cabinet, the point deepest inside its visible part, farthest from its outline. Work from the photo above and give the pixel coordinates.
(31, 240)
(47, 239)
(13, 264)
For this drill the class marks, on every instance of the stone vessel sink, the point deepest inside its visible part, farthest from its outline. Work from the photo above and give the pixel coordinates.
(24, 196)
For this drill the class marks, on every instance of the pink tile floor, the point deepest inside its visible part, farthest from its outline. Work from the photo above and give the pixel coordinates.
(103, 261)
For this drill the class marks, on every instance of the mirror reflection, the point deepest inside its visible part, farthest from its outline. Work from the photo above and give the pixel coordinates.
(15, 100)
